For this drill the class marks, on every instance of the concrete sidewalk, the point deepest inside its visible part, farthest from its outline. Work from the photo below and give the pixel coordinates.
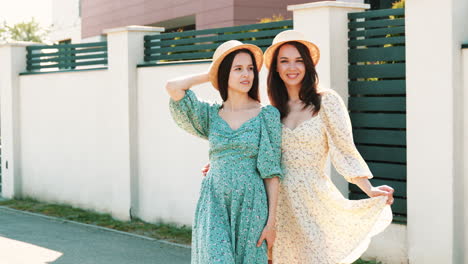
(31, 239)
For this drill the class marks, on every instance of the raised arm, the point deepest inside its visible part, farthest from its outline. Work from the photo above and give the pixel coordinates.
(176, 87)
(189, 113)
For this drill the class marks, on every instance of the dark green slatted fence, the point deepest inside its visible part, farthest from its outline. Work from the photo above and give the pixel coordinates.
(201, 44)
(66, 56)
(377, 98)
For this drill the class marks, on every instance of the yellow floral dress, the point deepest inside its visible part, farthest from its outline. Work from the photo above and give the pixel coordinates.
(315, 223)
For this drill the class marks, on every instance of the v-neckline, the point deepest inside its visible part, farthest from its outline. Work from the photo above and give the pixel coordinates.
(248, 120)
(298, 126)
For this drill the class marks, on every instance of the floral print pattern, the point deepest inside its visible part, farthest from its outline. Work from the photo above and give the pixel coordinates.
(232, 209)
(315, 223)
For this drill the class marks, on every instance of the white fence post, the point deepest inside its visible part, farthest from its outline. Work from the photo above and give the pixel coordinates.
(12, 62)
(434, 88)
(125, 51)
(435, 130)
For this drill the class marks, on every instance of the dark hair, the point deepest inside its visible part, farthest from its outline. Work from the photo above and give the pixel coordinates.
(308, 94)
(225, 69)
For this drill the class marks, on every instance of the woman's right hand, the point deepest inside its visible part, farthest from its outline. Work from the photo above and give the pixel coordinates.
(205, 169)
(176, 87)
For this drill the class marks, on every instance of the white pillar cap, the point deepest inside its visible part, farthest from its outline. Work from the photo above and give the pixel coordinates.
(134, 29)
(353, 4)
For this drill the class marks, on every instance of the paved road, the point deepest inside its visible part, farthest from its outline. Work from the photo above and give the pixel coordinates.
(32, 239)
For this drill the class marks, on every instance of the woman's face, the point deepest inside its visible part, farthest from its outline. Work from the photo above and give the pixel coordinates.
(241, 75)
(290, 66)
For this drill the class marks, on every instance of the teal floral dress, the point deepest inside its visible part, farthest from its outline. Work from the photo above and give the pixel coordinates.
(233, 206)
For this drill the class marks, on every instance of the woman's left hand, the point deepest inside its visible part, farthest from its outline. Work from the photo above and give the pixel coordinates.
(268, 234)
(205, 169)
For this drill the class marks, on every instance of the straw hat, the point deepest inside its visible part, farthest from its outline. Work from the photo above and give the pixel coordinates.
(225, 49)
(291, 35)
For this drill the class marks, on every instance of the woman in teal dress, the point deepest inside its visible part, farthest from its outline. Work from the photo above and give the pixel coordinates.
(235, 215)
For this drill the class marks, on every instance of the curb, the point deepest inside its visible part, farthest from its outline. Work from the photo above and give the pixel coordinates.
(95, 227)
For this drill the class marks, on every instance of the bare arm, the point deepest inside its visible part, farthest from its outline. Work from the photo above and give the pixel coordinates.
(176, 87)
(272, 187)
(269, 232)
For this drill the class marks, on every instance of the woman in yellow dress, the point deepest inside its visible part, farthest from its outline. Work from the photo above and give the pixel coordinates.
(315, 223)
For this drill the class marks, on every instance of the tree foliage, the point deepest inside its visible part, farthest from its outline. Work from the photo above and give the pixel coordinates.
(23, 31)
(3, 32)
(399, 4)
(274, 18)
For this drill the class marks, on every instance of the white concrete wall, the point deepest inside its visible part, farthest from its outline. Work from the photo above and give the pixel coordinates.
(12, 62)
(435, 130)
(68, 152)
(389, 247)
(66, 21)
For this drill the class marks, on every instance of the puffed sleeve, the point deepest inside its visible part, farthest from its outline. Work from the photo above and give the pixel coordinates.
(344, 155)
(191, 114)
(269, 155)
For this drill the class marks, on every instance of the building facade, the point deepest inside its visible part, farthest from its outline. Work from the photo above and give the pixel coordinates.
(91, 17)
(84, 20)
(98, 15)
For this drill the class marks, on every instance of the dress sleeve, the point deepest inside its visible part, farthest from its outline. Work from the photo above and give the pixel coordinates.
(191, 114)
(269, 155)
(344, 155)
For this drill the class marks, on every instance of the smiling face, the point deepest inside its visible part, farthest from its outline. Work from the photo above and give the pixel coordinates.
(241, 75)
(290, 66)
(291, 73)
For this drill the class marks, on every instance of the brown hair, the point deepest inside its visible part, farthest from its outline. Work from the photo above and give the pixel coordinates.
(225, 69)
(308, 94)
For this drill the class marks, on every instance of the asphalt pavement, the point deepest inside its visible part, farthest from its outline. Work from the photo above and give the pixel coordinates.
(27, 238)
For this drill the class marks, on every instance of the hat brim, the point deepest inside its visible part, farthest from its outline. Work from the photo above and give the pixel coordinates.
(213, 70)
(313, 50)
